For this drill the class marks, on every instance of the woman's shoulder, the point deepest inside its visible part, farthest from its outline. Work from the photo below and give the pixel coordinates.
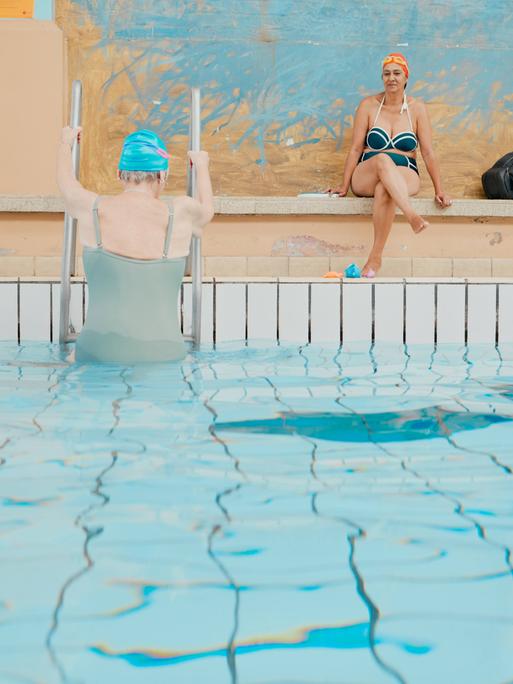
(186, 204)
(416, 103)
(371, 101)
(182, 201)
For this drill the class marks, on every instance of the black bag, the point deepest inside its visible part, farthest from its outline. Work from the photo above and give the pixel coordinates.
(498, 181)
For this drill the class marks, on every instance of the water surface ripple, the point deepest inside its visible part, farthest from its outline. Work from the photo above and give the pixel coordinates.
(258, 515)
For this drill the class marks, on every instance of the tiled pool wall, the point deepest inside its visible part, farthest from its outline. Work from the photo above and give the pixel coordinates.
(405, 311)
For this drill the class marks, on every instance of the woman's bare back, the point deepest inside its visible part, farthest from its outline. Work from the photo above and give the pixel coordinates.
(134, 224)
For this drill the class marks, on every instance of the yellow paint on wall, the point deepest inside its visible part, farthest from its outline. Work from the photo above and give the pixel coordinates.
(16, 9)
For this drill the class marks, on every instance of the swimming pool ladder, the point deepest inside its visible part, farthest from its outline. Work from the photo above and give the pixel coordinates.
(68, 265)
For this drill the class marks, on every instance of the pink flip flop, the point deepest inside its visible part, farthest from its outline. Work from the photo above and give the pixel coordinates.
(371, 273)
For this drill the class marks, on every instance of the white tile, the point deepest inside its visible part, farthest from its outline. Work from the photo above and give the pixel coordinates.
(325, 312)
(388, 312)
(293, 323)
(207, 313)
(451, 313)
(230, 314)
(420, 313)
(187, 308)
(481, 313)
(506, 313)
(35, 311)
(262, 311)
(356, 312)
(76, 307)
(8, 311)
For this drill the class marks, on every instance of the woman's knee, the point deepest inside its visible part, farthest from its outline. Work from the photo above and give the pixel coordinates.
(383, 162)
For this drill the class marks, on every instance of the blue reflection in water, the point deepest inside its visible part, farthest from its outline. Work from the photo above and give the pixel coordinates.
(339, 637)
(402, 426)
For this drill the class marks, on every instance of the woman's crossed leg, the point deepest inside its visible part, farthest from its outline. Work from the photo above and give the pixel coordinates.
(391, 186)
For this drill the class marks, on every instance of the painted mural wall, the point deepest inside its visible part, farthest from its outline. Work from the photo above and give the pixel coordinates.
(281, 80)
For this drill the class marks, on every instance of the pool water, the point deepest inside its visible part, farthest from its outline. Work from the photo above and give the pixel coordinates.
(258, 515)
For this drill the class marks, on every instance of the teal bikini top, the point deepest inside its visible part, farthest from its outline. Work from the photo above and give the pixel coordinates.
(379, 140)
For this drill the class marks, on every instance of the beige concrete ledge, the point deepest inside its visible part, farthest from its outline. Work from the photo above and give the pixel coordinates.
(292, 206)
(468, 268)
(249, 268)
(268, 266)
(225, 266)
(31, 204)
(308, 266)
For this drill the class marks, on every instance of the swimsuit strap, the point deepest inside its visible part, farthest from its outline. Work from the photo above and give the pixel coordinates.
(379, 110)
(96, 221)
(169, 231)
(405, 106)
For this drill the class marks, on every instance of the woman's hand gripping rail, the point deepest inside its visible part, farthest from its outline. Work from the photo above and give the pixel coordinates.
(203, 205)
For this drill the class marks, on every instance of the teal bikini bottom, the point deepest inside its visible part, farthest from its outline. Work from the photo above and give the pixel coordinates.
(398, 159)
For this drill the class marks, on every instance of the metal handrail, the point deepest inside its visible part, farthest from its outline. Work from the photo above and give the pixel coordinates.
(195, 254)
(66, 331)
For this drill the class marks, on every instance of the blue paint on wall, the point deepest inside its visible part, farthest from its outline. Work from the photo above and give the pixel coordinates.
(268, 65)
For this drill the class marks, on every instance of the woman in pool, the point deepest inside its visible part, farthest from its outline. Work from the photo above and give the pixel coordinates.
(134, 250)
(381, 162)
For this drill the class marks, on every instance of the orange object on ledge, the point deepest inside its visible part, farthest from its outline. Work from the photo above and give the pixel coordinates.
(16, 9)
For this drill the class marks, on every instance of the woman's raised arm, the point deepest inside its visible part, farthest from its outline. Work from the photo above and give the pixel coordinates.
(425, 136)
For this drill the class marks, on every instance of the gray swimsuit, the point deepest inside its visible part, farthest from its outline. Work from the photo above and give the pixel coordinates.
(132, 315)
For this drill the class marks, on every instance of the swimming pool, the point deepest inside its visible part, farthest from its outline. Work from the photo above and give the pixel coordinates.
(282, 515)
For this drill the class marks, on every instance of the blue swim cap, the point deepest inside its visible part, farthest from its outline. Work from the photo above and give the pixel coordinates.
(143, 151)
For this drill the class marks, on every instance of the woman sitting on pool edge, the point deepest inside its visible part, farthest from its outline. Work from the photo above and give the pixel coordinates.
(381, 162)
(134, 251)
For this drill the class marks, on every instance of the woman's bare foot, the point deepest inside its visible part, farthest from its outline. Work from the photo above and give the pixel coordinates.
(418, 223)
(371, 267)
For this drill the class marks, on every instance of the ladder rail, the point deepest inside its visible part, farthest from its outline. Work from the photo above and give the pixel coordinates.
(70, 226)
(195, 254)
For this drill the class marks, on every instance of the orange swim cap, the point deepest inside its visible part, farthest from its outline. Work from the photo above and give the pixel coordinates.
(397, 58)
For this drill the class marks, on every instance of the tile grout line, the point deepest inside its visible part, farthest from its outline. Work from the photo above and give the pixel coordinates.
(465, 334)
(435, 312)
(404, 311)
(51, 312)
(214, 311)
(18, 310)
(497, 307)
(278, 310)
(181, 308)
(246, 312)
(309, 313)
(341, 312)
(373, 313)
(83, 302)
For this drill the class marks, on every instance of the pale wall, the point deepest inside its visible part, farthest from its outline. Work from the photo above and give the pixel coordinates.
(272, 236)
(32, 77)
